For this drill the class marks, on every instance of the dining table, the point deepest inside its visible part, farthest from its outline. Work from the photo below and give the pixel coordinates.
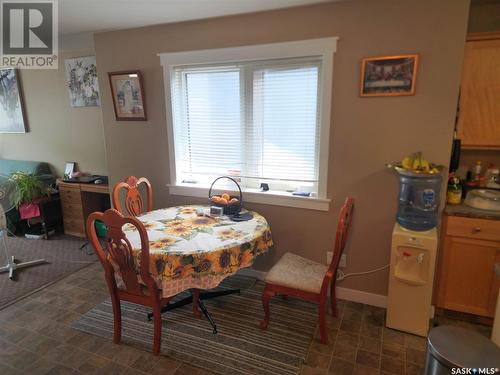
(191, 250)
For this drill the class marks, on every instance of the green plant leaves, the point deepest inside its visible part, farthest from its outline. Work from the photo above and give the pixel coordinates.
(28, 187)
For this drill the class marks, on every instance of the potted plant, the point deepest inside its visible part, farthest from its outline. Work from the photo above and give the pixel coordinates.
(29, 187)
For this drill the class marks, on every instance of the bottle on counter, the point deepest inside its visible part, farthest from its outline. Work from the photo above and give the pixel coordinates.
(476, 172)
(482, 181)
(454, 193)
(469, 180)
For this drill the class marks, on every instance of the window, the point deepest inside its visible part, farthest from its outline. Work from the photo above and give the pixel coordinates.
(257, 120)
(260, 113)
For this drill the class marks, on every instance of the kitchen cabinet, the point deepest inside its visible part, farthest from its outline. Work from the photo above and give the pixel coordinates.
(479, 115)
(466, 282)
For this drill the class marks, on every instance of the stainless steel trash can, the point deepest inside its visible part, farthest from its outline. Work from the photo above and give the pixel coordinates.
(451, 347)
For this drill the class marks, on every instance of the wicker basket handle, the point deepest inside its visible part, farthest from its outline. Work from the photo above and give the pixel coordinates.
(229, 178)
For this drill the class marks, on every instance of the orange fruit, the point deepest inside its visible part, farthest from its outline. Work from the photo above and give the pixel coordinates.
(223, 201)
(226, 196)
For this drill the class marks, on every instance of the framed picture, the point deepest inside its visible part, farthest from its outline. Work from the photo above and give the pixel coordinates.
(389, 75)
(81, 78)
(68, 171)
(128, 95)
(12, 118)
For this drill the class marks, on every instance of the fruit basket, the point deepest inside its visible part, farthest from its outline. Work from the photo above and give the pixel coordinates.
(230, 204)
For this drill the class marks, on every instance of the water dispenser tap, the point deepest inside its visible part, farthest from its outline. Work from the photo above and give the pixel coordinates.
(420, 258)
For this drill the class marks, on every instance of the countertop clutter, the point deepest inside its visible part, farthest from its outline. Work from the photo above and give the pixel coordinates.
(464, 210)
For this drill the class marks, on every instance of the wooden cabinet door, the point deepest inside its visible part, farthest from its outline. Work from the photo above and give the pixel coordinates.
(479, 117)
(468, 282)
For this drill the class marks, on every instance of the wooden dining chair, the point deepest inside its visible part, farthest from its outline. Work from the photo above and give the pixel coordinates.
(119, 264)
(134, 204)
(299, 277)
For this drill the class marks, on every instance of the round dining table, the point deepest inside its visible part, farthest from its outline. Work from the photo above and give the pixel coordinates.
(188, 251)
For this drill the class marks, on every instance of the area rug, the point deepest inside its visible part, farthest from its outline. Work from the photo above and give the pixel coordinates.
(62, 253)
(239, 347)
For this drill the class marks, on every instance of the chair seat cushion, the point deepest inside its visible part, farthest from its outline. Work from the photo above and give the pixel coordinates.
(293, 271)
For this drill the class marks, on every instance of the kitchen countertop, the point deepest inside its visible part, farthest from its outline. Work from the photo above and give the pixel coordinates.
(464, 210)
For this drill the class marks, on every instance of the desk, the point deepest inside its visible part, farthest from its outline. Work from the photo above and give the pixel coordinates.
(78, 201)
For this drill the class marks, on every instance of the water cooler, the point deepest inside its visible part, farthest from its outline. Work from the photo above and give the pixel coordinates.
(413, 253)
(413, 259)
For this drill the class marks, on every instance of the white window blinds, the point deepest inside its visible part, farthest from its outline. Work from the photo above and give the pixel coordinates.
(258, 120)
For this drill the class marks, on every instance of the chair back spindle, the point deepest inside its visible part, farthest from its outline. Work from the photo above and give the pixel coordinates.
(117, 256)
(133, 205)
(342, 234)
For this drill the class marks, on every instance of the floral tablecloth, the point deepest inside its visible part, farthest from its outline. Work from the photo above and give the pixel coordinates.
(190, 251)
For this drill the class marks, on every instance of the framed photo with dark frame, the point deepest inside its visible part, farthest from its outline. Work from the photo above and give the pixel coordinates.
(127, 90)
(389, 75)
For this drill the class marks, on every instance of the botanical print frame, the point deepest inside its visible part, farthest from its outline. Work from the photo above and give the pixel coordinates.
(127, 90)
(81, 77)
(389, 75)
(12, 119)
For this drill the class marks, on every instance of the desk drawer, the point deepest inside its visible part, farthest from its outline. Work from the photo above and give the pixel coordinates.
(74, 226)
(72, 210)
(70, 196)
(473, 228)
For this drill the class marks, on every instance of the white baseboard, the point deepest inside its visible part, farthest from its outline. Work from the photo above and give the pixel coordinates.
(353, 295)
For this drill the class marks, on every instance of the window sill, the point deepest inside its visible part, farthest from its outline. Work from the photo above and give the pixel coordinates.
(275, 198)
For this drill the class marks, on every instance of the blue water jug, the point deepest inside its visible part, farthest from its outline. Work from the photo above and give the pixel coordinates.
(419, 197)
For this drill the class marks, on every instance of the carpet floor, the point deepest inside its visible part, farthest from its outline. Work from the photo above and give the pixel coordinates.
(63, 257)
(240, 347)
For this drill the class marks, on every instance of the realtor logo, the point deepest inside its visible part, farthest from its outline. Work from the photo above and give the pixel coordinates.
(29, 34)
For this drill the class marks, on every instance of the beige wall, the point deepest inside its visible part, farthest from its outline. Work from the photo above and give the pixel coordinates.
(57, 132)
(366, 132)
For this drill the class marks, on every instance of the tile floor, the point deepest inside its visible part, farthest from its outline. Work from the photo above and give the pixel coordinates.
(36, 338)
(361, 345)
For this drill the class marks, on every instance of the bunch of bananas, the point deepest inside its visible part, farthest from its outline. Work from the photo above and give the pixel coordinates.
(416, 163)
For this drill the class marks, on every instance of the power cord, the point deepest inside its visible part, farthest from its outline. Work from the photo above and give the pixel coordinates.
(341, 275)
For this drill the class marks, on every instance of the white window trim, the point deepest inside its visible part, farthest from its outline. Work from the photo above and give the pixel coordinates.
(324, 47)
(274, 198)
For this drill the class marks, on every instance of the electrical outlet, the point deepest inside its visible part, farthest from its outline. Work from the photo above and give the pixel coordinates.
(329, 256)
(343, 261)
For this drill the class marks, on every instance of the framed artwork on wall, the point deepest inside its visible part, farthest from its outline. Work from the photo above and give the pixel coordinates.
(81, 77)
(389, 75)
(127, 90)
(12, 119)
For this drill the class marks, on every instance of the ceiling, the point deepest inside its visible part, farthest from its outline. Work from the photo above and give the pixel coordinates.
(77, 16)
